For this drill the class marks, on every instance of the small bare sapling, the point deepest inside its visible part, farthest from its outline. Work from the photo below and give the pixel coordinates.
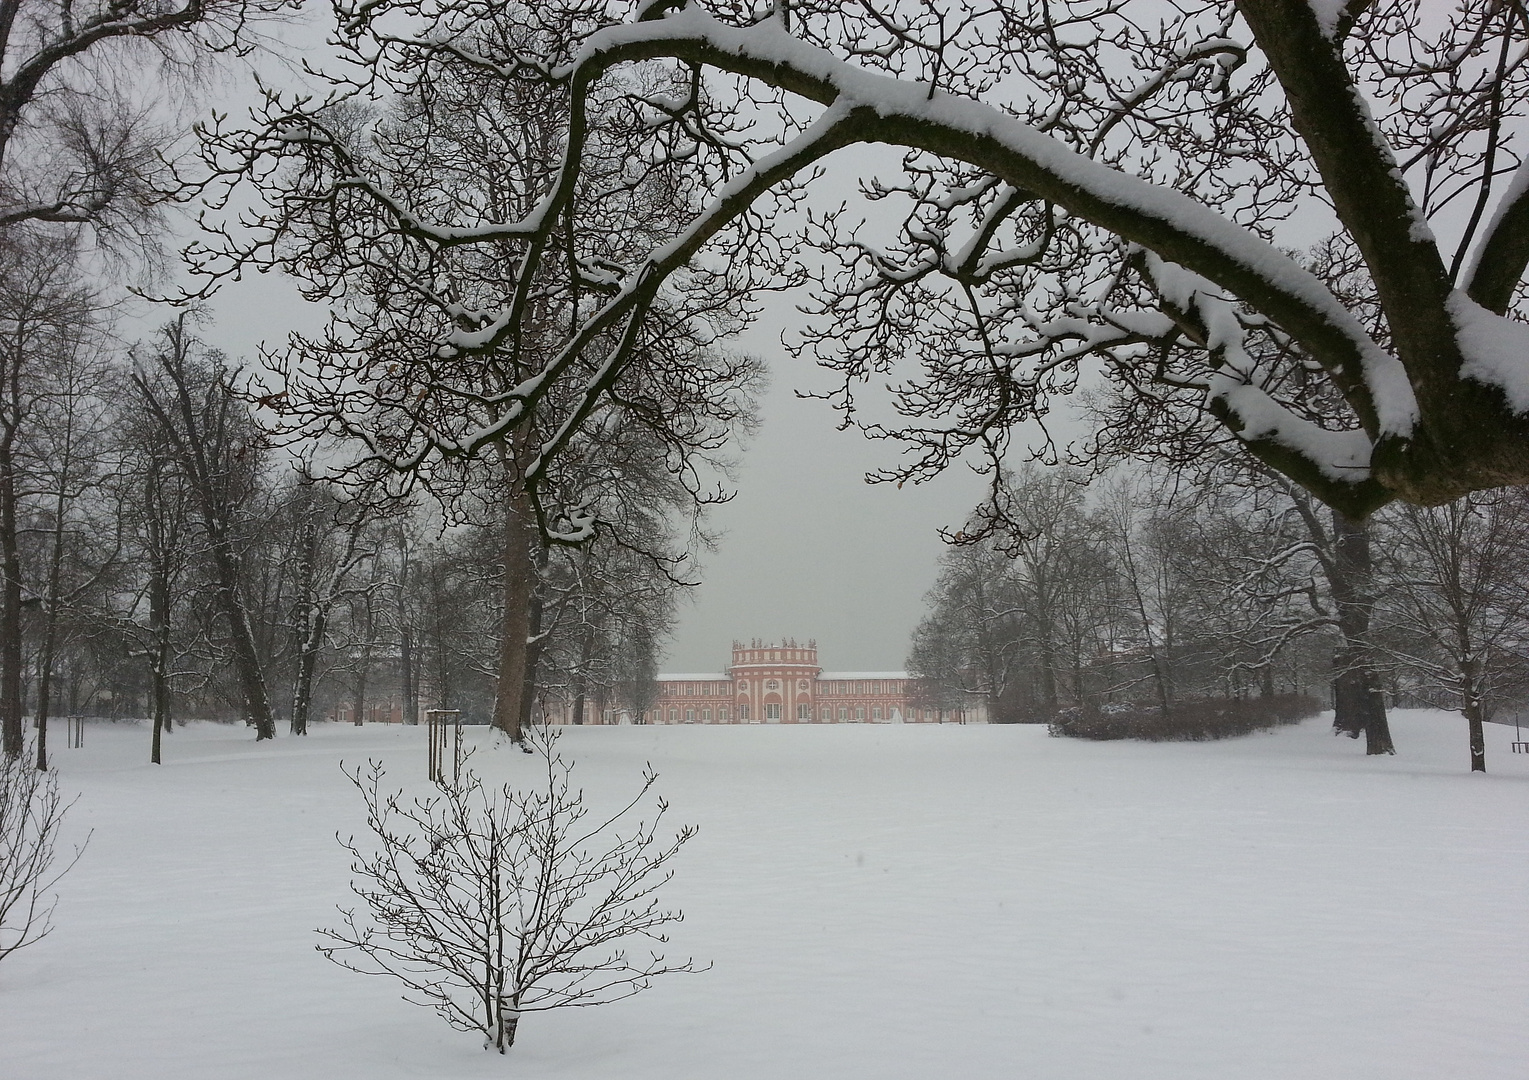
(31, 814)
(491, 902)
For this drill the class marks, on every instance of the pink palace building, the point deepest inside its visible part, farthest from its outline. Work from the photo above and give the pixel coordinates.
(783, 684)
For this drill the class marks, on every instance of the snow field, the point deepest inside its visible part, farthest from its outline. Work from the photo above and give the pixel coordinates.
(878, 902)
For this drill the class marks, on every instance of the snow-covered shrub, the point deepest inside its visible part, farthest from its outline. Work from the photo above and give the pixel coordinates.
(490, 902)
(1189, 721)
(31, 813)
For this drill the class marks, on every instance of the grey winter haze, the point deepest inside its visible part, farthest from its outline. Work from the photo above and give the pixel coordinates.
(806, 548)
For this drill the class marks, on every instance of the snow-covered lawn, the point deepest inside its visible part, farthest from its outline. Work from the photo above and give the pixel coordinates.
(878, 902)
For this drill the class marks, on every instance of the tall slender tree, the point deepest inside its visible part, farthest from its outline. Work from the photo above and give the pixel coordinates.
(45, 313)
(219, 451)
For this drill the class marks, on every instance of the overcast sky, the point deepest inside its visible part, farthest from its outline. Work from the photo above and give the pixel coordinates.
(808, 549)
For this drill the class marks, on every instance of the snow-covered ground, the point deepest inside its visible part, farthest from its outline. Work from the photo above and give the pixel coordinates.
(878, 902)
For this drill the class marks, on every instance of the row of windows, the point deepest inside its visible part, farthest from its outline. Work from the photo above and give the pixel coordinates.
(826, 714)
(707, 689)
(871, 688)
(704, 689)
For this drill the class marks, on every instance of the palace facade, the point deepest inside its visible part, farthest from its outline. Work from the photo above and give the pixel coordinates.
(778, 683)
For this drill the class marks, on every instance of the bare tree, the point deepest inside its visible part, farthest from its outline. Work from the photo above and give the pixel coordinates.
(72, 468)
(45, 313)
(968, 646)
(473, 147)
(84, 143)
(154, 509)
(218, 451)
(490, 903)
(331, 542)
(31, 814)
(408, 672)
(1455, 590)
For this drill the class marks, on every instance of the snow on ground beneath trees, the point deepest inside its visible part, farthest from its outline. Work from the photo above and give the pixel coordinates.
(878, 901)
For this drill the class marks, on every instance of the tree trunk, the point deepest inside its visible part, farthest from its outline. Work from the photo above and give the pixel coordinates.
(1358, 703)
(1472, 712)
(361, 674)
(1048, 671)
(307, 619)
(1470, 705)
(44, 687)
(307, 662)
(159, 651)
(160, 692)
(518, 587)
(10, 609)
(247, 669)
(369, 635)
(49, 633)
(408, 688)
(534, 636)
(581, 685)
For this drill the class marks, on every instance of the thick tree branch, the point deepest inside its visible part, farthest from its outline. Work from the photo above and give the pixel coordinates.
(1504, 252)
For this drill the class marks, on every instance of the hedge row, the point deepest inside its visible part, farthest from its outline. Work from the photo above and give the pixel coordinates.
(1189, 721)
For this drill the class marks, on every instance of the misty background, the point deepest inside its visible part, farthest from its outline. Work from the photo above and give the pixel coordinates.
(806, 549)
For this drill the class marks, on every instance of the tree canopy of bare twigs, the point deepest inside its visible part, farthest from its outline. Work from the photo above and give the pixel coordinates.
(31, 814)
(218, 451)
(1455, 602)
(1088, 185)
(80, 144)
(488, 903)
